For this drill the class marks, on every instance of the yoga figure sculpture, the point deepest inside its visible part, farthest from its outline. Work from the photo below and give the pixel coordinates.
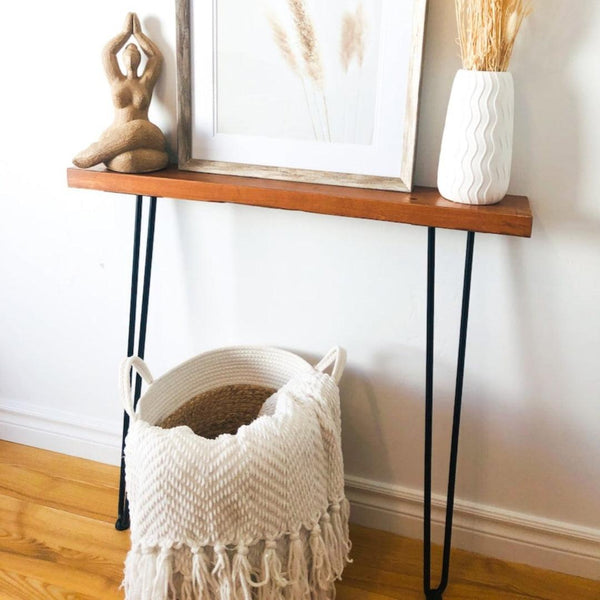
(131, 144)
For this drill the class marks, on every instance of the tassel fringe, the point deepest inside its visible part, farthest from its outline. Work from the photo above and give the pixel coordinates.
(273, 583)
(222, 572)
(242, 574)
(340, 514)
(203, 583)
(302, 565)
(183, 567)
(321, 575)
(163, 581)
(297, 570)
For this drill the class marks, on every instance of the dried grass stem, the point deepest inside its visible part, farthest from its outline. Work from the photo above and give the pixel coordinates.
(353, 37)
(487, 30)
(308, 41)
(283, 43)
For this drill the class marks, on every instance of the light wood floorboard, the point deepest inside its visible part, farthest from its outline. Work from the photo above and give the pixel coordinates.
(58, 542)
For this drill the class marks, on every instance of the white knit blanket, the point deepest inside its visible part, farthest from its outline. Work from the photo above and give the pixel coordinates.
(259, 515)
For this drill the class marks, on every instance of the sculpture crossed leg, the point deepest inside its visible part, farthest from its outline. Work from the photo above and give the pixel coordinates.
(134, 147)
(132, 144)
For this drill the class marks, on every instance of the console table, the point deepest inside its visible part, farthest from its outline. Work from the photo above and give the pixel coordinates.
(423, 206)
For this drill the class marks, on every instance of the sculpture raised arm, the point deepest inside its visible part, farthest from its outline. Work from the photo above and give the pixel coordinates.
(110, 51)
(155, 57)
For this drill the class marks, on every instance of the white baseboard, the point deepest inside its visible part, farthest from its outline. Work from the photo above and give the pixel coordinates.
(60, 431)
(487, 530)
(478, 528)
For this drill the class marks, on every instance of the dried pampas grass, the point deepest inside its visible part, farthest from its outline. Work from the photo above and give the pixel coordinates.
(302, 56)
(353, 37)
(308, 40)
(487, 30)
(283, 43)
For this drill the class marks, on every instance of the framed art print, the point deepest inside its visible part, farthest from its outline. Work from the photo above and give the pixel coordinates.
(300, 90)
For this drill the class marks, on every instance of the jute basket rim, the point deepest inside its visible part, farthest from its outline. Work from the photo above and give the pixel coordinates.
(263, 365)
(186, 431)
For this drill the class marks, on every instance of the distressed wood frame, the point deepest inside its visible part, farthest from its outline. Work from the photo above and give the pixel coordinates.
(188, 162)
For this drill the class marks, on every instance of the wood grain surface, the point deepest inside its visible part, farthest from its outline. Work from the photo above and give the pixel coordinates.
(58, 542)
(423, 206)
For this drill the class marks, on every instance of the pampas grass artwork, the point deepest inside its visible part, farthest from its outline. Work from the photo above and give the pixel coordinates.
(283, 43)
(304, 60)
(487, 30)
(352, 51)
(300, 49)
(305, 31)
(353, 37)
(313, 65)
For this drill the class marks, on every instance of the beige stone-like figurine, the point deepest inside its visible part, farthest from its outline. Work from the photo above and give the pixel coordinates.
(131, 144)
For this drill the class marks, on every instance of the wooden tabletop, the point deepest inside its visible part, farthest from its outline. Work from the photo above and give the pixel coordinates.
(422, 206)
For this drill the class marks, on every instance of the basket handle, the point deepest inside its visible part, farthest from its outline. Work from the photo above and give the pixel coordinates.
(126, 379)
(336, 357)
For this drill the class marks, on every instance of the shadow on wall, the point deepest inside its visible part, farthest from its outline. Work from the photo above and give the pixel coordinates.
(386, 403)
(382, 413)
(551, 167)
(363, 433)
(441, 59)
(165, 91)
(548, 163)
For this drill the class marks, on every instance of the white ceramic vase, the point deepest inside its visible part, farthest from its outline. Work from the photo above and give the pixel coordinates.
(476, 153)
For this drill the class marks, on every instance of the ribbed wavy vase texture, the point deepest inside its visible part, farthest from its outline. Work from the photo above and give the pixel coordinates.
(476, 154)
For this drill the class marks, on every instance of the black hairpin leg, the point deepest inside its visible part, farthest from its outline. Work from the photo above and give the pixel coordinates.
(436, 593)
(122, 522)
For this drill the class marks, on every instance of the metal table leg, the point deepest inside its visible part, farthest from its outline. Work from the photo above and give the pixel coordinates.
(436, 593)
(122, 522)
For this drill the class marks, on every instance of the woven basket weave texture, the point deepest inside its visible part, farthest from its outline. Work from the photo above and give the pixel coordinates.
(253, 508)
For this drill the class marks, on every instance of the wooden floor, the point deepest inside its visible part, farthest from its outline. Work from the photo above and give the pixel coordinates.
(58, 542)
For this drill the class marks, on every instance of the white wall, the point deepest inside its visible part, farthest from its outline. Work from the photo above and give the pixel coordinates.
(226, 275)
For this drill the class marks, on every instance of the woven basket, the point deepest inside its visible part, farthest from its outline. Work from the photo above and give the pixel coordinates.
(235, 478)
